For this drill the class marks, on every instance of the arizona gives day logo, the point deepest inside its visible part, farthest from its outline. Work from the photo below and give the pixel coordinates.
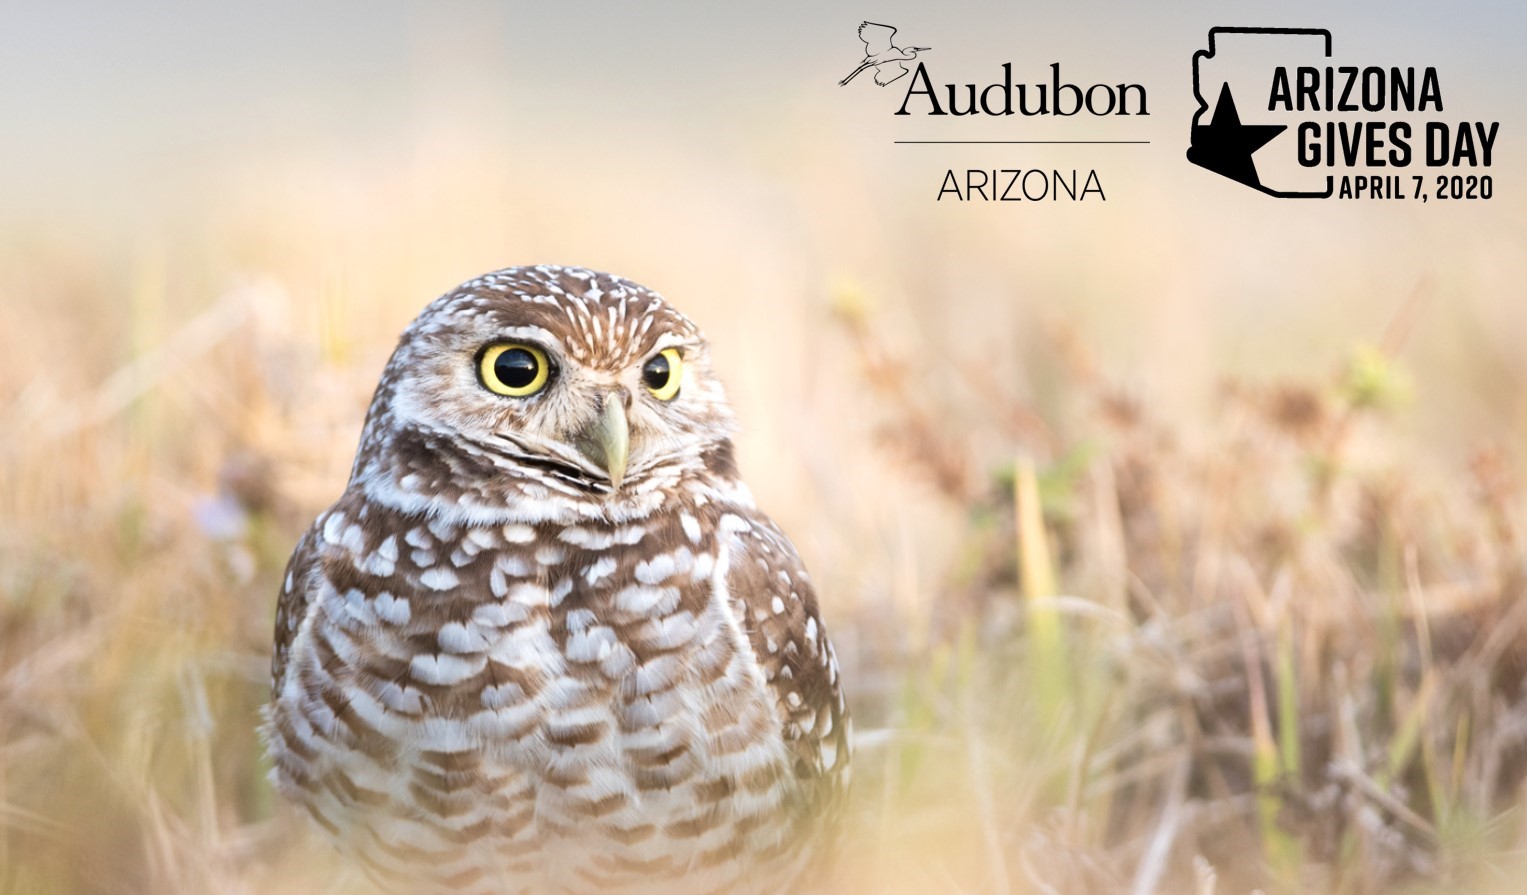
(1276, 88)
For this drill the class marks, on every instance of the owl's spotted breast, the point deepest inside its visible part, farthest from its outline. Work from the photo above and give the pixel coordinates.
(558, 706)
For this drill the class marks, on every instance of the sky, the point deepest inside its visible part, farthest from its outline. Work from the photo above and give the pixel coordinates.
(687, 141)
(100, 95)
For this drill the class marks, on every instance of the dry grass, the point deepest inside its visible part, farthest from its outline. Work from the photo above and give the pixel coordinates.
(1268, 654)
(1271, 648)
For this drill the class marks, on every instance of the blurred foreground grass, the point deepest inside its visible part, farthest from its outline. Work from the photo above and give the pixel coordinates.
(1266, 648)
(1267, 654)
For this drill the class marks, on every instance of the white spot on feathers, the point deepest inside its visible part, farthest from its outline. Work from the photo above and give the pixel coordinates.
(333, 528)
(391, 609)
(599, 570)
(664, 566)
(641, 599)
(444, 669)
(439, 579)
(519, 534)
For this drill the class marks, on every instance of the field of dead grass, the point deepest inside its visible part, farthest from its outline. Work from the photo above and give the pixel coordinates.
(1272, 640)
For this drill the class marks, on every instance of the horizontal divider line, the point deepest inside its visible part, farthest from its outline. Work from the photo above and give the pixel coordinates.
(1068, 142)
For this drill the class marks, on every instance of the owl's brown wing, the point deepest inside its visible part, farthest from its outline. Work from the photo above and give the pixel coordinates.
(297, 590)
(777, 605)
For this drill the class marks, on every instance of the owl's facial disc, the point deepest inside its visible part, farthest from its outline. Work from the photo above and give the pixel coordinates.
(594, 422)
(530, 382)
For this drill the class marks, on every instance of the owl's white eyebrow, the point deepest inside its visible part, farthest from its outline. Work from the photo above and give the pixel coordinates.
(529, 334)
(669, 340)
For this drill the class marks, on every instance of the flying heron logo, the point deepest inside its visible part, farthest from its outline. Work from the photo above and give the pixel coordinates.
(882, 54)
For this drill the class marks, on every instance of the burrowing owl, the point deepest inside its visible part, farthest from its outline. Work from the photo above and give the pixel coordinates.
(544, 642)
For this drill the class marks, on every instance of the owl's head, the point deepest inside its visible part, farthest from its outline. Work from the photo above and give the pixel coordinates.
(573, 390)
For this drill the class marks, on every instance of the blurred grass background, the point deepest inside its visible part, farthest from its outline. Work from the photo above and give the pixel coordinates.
(1170, 543)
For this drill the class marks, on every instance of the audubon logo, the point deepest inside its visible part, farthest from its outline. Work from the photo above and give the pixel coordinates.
(1049, 94)
(1320, 130)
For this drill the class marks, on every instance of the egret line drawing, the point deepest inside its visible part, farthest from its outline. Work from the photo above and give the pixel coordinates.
(880, 54)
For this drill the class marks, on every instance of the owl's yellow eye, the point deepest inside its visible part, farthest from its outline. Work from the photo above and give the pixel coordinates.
(662, 373)
(514, 369)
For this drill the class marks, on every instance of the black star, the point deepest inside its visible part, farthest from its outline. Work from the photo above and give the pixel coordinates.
(1225, 145)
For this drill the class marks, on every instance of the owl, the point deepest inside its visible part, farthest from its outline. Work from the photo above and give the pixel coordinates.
(544, 642)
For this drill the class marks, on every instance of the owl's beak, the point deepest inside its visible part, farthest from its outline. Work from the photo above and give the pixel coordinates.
(607, 441)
